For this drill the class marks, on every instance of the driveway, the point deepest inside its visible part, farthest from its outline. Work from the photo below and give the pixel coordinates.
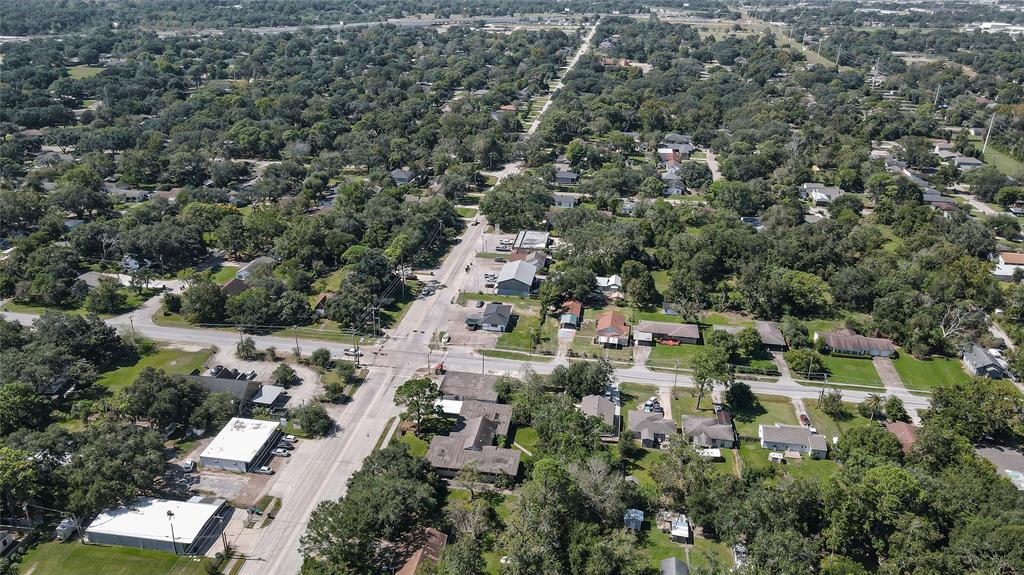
(888, 374)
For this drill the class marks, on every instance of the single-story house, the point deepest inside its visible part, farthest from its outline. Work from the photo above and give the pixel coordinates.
(967, 163)
(463, 385)
(566, 178)
(496, 317)
(674, 138)
(633, 519)
(979, 362)
(674, 566)
(609, 285)
(434, 542)
(714, 431)
(753, 221)
(234, 287)
(320, 305)
(130, 196)
(146, 523)
(848, 343)
(648, 332)
(612, 330)
(516, 278)
(904, 432)
(247, 270)
(537, 258)
(771, 335)
(565, 200)
(473, 445)
(531, 241)
(781, 437)
(572, 314)
(680, 530)
(825, 195)
(600, 407)
(92, 279)
(499, 414)
(652, 427)
(403, 176)
(1006, 264)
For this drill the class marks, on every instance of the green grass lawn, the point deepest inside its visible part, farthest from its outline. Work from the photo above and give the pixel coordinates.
(79, 559)
(633, 395)
(417, 447)
(667, 356)
(82, 72)
(222, 274)
(855, 370)
(521, 337)
(167, 359)
(132, 301)
(519, 356)
(466, 212)
(661, 280)
(830, 427)
(755, 456)
(771, 409)
(927, 374)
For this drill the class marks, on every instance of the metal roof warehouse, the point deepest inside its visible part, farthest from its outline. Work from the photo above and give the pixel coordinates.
(147, 524)
(240, 445)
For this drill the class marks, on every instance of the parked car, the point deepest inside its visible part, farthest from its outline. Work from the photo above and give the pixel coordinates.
(474, 222)
(500, 260)
(804, 420)
(285, 445)
(291, 439)
(281, 452)
(189, 465)
(480, 303)
(264, 470)
(489, 284)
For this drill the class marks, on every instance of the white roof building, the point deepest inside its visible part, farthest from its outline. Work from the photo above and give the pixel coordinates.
(241, 444)
(146, 524)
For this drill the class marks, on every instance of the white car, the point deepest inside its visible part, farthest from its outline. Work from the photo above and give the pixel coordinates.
(353, 352)
(291, 439)
(282, 452)
(264, 470)
(189, 465)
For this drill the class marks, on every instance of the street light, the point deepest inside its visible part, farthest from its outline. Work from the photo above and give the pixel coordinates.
(170, 519)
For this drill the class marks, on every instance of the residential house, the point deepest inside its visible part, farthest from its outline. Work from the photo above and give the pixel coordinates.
(648, 332)
(674, 566)
(566, 178)
(709, 432)
(610, 285)
(248, 269)
(680, 531)
(434, 542)
(320, 305)
(652, 427)
(1006, 264)
(781, 437)
(753, 222)
(979, 362)
(496, 317)
(565, 200)
(473, 446)
(516, 278)
(130, 196)
(531, 241)
(633, 519)
(234, 287)
(847, 342)
(92, 279)
(572, 314)
(537, 258)
(967, 163)
(611, 330)
(499, 414)
(403, 176)
(819, 193)
(904, 432)
(462, 385)
(771, 335)
(602, 408)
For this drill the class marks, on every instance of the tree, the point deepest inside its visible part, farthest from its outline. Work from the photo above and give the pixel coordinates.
(21, 408)
(871, 406)
(203, 302)
(894, 410)
(986, 181)
(419, 397)
(246, 349)
(214, 412)
(115, 463)
(320, 358)
(284, 376)
(583, 378)
(464, 557)
(161, 399)
(536, 539)
(740, 397)
(106, 297)
(517, 202)
(739, 197)
(805, 362)
(975, 409)
(710, 366)
(313, 419)
(831, 404)
(868, 441)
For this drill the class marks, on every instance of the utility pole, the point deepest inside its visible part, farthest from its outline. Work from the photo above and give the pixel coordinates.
(298, 352)
(935, 103)
(675, 375)
(838, 55)
(988, 133)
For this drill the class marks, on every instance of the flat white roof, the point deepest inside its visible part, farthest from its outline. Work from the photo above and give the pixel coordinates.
(240, 440)
(147, 519)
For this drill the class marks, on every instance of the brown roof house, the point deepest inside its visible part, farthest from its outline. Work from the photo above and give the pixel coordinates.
(602, 408)
(473, 446)
(847, 342)
(771, 335)
(652, 427)
(434, 542)
(612, 330)
(462, 385)
(648, 332)
(904, 432)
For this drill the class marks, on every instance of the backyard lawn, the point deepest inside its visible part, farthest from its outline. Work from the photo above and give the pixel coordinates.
(754, 457)
(853, 370)
(79, 559)
(465, 212)
(929, 373)
(82, 72)
(168, 359)
(521, 337)
(770, 410)
(417, 446)
(222, 274)
(660, 546)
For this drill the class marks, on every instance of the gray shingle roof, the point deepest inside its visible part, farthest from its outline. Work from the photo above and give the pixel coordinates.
(599, 406)
(673, 566)
(520, 271)
(654, 423)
